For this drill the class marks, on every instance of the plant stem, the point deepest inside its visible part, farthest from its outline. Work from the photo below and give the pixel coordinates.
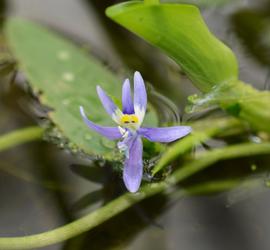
(20, 136)
(81, 225)
(205, 160)
(127, 200)
(198, 136)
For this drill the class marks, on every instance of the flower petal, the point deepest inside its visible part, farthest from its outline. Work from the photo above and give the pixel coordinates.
(112, 133)
(164, 134)
(133, 168)
(140, 96)
(109, 105)
(127, 103)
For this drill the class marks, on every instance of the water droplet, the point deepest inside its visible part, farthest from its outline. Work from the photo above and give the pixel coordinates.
(193, 98)
(66, 102)
(68, 76)
(255, 139)
(87, 137)
(63, 55)
(108, 144)
(74, 149)
(253, 167)
(56, 133)
(189, 109)
(100, 160)
(267, 183)
(148, 177)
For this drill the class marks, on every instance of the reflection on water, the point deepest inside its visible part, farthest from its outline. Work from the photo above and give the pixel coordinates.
(42, 186)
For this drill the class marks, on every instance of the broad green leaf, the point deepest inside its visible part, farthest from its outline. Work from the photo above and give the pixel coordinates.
(65, 77)
(180, 31)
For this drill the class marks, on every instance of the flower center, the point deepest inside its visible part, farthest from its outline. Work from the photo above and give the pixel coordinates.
(129, 119)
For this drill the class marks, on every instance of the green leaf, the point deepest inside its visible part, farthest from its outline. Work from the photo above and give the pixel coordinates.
(65, 77)
(180, 31)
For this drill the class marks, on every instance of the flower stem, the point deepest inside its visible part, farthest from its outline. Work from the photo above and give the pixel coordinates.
(127, 200)
(205, 160)
(20, 136)
(198, 136)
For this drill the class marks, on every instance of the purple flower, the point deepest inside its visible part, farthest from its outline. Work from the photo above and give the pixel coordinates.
(129, 128)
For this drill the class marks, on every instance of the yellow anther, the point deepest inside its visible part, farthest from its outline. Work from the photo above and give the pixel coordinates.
(125, 119)
(134, 119)
(129, 119)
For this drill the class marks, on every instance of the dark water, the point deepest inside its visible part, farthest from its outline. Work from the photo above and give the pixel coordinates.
(41, 188)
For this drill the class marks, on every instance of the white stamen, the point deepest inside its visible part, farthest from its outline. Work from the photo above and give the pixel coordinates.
(123, 132)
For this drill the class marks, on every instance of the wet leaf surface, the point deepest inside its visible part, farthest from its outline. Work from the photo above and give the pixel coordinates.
(64, 77)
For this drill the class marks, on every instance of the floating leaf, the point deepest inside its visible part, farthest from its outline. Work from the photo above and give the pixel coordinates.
(180, 31)
(65, 77)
